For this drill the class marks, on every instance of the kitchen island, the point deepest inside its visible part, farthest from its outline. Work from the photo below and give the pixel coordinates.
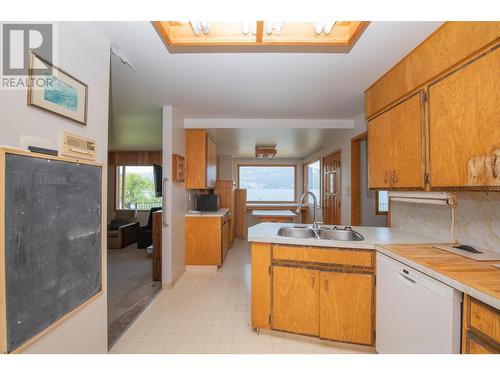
(326, 288)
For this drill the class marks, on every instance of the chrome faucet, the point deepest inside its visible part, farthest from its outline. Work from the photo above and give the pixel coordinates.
(315, 209)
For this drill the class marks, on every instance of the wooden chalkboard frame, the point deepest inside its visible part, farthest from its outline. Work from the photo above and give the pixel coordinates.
(3, 306)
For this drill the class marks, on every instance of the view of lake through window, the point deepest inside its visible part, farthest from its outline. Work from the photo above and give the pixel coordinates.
(268, 183)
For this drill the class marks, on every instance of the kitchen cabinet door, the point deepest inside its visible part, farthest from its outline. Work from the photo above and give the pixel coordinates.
(211, 162)
(346, 307)
(464, 125)
(225, 239)
(395, 146)
(475, 345)
(295, 300)
(379, 157)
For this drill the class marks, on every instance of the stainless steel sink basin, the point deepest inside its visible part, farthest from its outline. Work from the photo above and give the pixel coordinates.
(339, 234)
(322, 233)
(296, 232)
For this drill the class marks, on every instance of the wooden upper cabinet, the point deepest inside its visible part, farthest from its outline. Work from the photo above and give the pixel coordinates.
(201, 160)
(395, 146)
(295, 300)
(448, 46)
(211, 162)
(346, 301)
(464, 123)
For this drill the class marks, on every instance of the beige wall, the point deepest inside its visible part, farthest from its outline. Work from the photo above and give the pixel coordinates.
(83, 52)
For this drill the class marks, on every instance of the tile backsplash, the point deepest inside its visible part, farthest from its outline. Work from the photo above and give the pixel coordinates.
(477, 219)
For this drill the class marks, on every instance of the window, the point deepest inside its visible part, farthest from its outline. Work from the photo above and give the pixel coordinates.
(381, 203)
(312, 174)
(135, 188)
(268, 183)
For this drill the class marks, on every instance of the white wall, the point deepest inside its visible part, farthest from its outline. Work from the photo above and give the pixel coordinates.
(367, 197)
(226, 168)
(83, 52)
(343, 143)
(174, 142)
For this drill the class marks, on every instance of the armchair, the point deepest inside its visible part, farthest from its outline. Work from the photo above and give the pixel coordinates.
(123, 229)
(146, 232)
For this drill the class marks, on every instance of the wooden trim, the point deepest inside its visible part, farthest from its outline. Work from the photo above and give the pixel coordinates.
(271, 165)
(356, 177)
(259, 31)
(3, 311)
(3, 305)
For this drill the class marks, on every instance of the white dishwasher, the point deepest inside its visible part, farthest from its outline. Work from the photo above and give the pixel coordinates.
(415, 313)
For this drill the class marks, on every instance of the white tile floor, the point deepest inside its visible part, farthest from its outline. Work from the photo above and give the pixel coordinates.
(209, 312)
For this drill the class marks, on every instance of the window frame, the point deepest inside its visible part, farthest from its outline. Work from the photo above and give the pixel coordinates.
(377, 211)
(272, 165)
(305, 178)
(117, 203)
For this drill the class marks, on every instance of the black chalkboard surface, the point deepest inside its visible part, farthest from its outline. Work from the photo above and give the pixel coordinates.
(52, 242)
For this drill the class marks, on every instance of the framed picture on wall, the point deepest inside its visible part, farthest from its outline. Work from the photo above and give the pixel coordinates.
(55, 90)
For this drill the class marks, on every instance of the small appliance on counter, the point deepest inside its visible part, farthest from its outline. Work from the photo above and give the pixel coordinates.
(207, 202)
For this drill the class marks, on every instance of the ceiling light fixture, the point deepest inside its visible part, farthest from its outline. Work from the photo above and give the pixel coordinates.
(265, 152)
(199, 26)
(323, 26)
(205, 26)
(245, 27)
(275, 26)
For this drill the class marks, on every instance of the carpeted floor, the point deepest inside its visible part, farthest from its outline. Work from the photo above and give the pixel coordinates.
(130, 288)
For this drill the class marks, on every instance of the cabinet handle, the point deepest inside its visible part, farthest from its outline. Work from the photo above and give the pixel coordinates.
(493, 167)
(394, 177)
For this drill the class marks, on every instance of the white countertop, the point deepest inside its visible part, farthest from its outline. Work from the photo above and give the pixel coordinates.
(267, 232)
(219, 213)
(282, 213)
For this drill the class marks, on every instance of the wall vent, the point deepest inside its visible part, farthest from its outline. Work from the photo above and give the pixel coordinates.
(78, 147)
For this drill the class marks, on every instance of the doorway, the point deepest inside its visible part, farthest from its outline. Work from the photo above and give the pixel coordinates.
(332, 173)
(368, 207)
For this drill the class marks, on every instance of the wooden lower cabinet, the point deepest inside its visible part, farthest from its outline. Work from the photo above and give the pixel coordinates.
(295, 300)
(346, 307)
(295, 290)
(480, 328)
(207, 240)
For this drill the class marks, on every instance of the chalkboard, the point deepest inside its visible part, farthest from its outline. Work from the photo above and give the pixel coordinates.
(52, 242)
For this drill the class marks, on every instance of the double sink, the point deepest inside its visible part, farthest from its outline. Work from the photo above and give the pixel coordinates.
(321, 233)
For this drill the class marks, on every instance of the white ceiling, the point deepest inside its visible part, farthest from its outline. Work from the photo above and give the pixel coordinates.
(245, 85)
(290, 143)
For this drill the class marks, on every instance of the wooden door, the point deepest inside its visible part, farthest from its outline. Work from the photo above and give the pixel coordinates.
(395, 146)
(346, 307)
(332, 188)
(295, 305)
(464, 122)
(211, 162)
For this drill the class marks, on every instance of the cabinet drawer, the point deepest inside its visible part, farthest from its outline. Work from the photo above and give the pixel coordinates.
(345, 257)
(477, 346)
(485, 319)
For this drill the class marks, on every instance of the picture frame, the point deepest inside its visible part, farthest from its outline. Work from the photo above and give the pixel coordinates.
(59, 92)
